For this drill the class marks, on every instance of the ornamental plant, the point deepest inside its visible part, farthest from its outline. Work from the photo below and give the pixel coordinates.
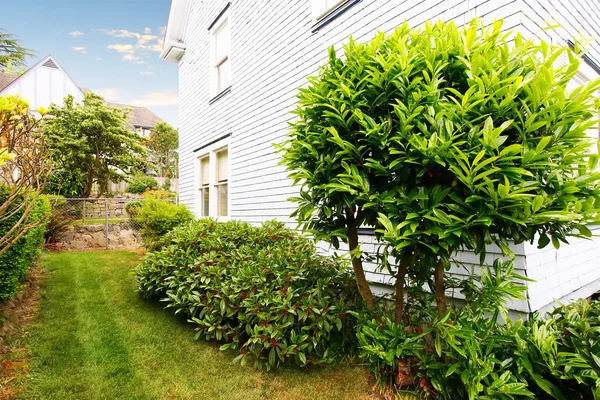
(442, 139)
(24, 169)
(262, 291)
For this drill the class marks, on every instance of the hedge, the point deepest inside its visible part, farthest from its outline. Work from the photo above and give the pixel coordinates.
(262, 291)
(17, 260)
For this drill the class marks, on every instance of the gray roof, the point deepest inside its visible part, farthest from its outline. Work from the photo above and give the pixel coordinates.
(6, 79)
(139, 116)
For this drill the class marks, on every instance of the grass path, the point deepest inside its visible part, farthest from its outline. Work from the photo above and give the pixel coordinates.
(95, 338)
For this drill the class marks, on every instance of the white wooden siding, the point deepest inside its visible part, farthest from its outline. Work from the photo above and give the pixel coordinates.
(272, 53)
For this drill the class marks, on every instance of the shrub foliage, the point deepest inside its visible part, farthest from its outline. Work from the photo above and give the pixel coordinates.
(16, 260)
(140, 183)
(263, 291)
(157, 217)
(445, 138)
(468, 354)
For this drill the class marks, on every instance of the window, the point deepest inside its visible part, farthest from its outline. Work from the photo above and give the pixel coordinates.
(213, 181)
(220, 54)
(205, 186)
(221, 182)
(323, 7)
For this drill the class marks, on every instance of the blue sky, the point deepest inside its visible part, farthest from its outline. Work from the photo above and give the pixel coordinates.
(108, 46)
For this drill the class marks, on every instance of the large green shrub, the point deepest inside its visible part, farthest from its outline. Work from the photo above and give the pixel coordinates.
(140, 183)
(445, 138)
(261, 290)
(16, 261)
(155, 218)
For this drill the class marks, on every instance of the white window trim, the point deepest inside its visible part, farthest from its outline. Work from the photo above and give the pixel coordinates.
(320, 9)
(214, 76)
(211, 151)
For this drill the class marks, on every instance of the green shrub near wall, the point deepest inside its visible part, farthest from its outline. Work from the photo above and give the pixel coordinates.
(17, 260)
(263, 291)
(140, 183)
(155, 218)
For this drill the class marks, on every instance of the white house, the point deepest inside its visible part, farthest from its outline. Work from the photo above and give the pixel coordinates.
(47, 82)
(44, 83)
(241, 64)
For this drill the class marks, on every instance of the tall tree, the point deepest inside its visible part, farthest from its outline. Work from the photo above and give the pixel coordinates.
(162, 146)
(12, 54)
(91, 140)
(444, 139)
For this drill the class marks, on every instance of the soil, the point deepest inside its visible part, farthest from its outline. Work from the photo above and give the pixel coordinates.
(15, 316)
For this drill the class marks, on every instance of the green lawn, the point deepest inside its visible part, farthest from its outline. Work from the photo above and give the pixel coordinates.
(95, 338)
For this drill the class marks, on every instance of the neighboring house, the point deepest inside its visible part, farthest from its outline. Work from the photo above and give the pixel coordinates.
(44, 83)
(140, 119)
(47, 82)
(241, 64)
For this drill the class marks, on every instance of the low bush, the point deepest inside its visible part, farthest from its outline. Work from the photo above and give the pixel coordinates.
(263, 291)
(61, 214)
(469, 354)
(140, 183)
(17, 260)
(132, 208)
(159, 194)
(155, 218)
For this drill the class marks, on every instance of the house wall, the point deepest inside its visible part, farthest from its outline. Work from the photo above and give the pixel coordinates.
(42, 86)
(272, 53)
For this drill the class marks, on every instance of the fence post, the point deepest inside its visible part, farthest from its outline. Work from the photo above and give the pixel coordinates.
(106, 220)
(83, 213)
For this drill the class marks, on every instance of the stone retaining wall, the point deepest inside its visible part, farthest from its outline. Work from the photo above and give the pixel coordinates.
(98, 208)
(84, 237)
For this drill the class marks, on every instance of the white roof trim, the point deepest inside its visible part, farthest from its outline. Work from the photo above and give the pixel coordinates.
(37, 65)
(175, 33)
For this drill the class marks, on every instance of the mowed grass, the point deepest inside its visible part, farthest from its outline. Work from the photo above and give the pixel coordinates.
(95, 338)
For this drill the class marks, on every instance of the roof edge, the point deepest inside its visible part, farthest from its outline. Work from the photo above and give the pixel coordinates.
(35, 66)
(175, 33)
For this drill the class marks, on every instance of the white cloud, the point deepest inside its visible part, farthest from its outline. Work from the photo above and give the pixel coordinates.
(146, 73)
(76, 34)
(99, 59)
(108, 94)
(162, 30)
(122, 48)
(81, 50)
(134, 59)
(145, 40)
(167, 97)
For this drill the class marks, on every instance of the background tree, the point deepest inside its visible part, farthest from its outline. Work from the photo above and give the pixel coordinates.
(24, 169)
(12, 54)
(91, 141)
(444, 139)
(162, 148)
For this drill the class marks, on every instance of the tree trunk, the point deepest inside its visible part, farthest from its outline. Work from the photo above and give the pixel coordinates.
(400, 277)
(440, 288)
(359, 273)
(87, 190)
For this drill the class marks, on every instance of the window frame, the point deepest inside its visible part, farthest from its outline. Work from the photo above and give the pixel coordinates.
(323, 14)
(224, 19)
(321, 10)
(211, 152)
